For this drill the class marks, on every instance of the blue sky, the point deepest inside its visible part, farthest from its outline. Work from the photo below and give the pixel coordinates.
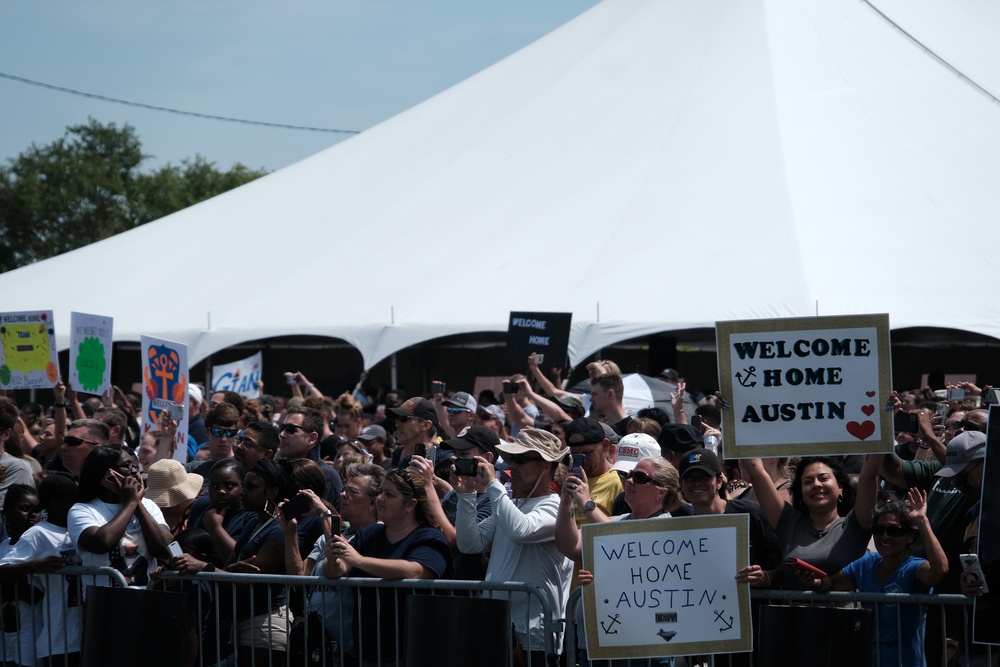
(345, 64)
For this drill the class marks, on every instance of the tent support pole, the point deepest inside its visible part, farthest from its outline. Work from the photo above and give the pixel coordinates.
(392, 372)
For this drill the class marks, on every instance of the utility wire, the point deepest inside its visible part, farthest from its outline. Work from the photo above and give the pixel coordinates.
(152, 107)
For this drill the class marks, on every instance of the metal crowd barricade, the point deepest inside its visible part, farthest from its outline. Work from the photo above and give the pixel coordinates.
(217, 605)
(44, 611)
(967, 653)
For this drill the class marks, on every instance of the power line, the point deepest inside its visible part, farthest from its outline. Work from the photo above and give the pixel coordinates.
(61, 89)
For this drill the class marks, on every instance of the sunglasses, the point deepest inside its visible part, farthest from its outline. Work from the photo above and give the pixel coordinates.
(73, 441)
(521, 459)
(219, 432)
(292, 429)
(892, 531)
(403, 474)
(456, 411)
(640, 477)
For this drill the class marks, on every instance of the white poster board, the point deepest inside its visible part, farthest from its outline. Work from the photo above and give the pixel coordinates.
(28, 354)
(165, 388)
(90, 353)
(801, 386)
(240, 376)
(667, 587)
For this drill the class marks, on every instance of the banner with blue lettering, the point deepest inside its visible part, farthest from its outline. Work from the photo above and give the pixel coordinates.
(240, 376)
(667, 587)
(541, 333)
(801, 386)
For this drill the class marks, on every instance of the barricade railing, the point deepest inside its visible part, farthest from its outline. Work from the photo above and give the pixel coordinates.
(338, 604)
(954, 650)
(41, 614)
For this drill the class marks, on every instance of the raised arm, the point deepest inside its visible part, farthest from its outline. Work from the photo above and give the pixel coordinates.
(543, 382)
(515, 413)
(867, 490)
(770, 500)
(935, 569)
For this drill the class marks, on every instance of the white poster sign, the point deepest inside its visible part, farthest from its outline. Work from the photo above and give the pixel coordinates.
(240, 376)
(802, 386)
(28, 358)
(90, 353)
(165, 388)
(667, 587)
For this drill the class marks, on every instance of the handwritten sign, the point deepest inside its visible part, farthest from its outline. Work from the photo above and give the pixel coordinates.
(803, 386)
(28, 354)
(240, 376)
(90, 353)
(542, 333)
(667, 587)
(165, 387)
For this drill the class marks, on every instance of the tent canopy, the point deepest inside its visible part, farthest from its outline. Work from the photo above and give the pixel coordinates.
(653, 165)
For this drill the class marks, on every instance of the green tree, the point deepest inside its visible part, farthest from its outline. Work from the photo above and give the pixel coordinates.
(87, 186)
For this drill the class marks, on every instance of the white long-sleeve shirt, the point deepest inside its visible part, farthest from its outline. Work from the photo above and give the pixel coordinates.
(522, 536)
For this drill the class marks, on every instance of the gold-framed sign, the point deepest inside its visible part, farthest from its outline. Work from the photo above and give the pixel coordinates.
(801, 386)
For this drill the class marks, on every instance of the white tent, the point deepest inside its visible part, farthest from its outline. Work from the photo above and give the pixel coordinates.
(653, 165)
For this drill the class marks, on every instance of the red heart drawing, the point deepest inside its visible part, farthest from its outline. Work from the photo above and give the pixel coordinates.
(868, 409)
(869, 394)
(862, 430)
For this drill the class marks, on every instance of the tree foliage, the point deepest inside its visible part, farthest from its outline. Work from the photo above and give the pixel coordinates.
(87, 186)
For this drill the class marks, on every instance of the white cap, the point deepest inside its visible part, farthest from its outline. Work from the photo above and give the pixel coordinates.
(633, 448)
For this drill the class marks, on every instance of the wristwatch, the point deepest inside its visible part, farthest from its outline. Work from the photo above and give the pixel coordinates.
(589, 506)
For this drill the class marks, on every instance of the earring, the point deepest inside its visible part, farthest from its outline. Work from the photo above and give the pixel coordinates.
(274, 507)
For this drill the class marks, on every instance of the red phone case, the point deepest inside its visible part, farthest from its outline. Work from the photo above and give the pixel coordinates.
(805, 567)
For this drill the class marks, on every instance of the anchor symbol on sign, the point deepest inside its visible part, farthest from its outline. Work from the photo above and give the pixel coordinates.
(729, 623)
(607, 628)
(751, 373)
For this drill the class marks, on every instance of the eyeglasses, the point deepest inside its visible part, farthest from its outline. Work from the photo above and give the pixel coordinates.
(640, 477)
(456, 411)
(893, 531)
(247, 442)
(403, 474)
(292, 429)
(73, 441)
(521, 459)
(130, 468)
(405, 418)
(219, 432)
(348, 491)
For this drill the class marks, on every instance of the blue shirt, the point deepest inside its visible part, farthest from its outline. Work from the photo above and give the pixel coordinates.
(893, 619)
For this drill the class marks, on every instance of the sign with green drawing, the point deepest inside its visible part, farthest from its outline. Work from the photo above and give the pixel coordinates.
(90, 353)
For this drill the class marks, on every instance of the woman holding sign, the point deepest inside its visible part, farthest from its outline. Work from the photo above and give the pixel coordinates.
(819, 527)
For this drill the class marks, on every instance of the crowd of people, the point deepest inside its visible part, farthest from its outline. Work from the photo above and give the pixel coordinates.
(451, 486)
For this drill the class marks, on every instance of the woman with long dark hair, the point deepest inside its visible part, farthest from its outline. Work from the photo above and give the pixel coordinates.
(113, 524)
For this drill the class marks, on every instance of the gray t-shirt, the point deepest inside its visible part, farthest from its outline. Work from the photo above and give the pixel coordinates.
(830, 550)
(16, 471)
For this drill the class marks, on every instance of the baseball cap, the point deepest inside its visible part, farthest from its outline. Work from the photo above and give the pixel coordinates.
(584, 431)
(461, 399)
(538, 441)
(572, 405)
(679, 438)
(610, 433)
(474, 436)
(372, 433)
(670, 375)
(633, 448)
(964, 448)
(492, 412)
(417, 407)
(700, 459)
